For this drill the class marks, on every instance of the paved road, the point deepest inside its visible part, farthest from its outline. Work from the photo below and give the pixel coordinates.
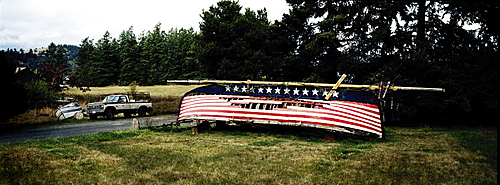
(77, 129)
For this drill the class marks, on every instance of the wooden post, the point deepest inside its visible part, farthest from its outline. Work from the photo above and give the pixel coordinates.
(194, 127)
(194, 130)
(135, 124)
(335, 87)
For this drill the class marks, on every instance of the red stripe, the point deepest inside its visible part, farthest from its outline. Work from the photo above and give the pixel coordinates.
(348, 108)
(269, 119)
(361, 119)
(332, 112)
(352, 117)
(298, 117)
(365, 107)
(285, 121)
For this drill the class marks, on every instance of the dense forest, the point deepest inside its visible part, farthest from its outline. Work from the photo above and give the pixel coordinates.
(448, 44)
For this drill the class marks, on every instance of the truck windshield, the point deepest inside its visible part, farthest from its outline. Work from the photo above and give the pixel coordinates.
(111, 99)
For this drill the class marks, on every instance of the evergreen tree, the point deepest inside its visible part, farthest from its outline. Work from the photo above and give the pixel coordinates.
(107, 66)
(154, 56)
(182, 45)
(233, 44)
(84, 75)
(55, 67)
(129, 57)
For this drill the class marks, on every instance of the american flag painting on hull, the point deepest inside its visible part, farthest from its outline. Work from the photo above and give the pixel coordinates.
(348, 111)
(343, 116)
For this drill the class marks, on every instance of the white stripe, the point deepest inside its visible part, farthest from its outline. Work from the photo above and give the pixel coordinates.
(289, 114)
(374, 119)
(193, 103)
(206, 104)
(354, 104)
(349, 107)
(370, 117)
(341, 112)
(337, 110)
(229, 115)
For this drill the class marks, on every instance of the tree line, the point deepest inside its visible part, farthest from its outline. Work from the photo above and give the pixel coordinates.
(410, 43)
(149, 59)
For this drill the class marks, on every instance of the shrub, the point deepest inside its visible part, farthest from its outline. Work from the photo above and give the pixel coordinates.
(39, 94)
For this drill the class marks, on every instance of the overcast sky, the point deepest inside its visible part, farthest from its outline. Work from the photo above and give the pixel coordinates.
(30, 24)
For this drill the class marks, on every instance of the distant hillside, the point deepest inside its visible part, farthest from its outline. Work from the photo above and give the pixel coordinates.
(33, 57)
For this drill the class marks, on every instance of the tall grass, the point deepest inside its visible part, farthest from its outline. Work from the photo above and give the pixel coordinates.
(165, 104)
(171, 155)
(31, 117)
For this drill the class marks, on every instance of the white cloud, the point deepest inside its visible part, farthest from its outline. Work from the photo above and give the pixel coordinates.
(34, 24)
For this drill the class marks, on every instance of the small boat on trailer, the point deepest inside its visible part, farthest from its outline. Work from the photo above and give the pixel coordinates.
(339, 108)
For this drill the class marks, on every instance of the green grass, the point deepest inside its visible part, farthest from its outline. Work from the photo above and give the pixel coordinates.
(172, 155)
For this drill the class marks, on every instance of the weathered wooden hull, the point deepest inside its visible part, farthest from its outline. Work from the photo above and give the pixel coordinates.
(348, 117)
(278, 108)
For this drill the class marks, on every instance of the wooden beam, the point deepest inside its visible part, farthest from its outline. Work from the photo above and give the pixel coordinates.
(395, 88)
(341, 79)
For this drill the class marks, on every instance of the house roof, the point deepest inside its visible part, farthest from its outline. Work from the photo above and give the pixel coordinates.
(25, 75)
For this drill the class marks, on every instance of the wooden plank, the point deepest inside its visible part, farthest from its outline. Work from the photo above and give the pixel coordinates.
(341, 79)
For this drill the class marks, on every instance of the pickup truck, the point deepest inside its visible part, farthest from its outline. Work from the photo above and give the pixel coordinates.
(115, 104)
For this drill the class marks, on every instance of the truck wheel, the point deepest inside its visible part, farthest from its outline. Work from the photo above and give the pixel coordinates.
(127, 115)
(110, 114)
(142, 112)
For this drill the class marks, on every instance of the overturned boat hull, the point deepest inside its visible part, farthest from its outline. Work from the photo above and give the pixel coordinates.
(352, 112)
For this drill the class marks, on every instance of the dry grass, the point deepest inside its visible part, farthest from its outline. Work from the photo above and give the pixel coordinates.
(165, 104)
(156, 90)
(174, 156)
(34, 116)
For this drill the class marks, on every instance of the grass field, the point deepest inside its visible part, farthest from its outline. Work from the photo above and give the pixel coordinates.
(172, 155)
(156, 90)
